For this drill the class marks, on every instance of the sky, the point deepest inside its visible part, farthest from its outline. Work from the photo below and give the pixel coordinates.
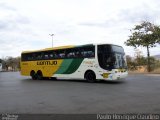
(26, 24)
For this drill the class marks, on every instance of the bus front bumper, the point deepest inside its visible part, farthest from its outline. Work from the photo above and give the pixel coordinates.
(114, 76)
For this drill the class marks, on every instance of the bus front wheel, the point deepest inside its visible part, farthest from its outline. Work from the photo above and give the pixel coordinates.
(90, 76)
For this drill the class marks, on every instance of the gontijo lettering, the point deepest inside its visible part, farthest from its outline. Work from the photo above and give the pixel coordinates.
(47, 63)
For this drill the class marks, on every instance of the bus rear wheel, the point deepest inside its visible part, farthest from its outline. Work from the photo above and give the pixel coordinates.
(90, 76)
(39, 75)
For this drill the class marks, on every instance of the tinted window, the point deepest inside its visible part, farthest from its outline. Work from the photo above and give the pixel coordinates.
(87, 52)
(78, 52)
(38, 56)
(26, 57)
(110, 57)
(117, 49)
(104, 48)
(59, 54)
(71, 53)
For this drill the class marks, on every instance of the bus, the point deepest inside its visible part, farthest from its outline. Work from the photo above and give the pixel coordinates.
(92, 62)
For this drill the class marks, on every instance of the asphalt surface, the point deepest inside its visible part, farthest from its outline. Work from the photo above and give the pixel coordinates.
(139, 93)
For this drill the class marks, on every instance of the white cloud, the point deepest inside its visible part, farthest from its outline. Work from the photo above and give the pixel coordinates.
(27, 24)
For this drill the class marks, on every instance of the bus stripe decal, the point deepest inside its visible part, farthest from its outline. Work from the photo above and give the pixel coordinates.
(64, 66)
(73, 66)
(69, 66)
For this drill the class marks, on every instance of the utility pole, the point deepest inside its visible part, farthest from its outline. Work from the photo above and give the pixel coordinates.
(52, 38)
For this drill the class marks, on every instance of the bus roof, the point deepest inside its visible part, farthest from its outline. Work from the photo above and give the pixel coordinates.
(64, 47)
(54, 48)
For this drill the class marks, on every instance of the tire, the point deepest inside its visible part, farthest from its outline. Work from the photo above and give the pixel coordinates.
(53, 78)
(33, 75)
(39, 75)
(90, 76)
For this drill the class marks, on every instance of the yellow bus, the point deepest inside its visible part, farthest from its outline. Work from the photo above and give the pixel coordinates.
(91, 62)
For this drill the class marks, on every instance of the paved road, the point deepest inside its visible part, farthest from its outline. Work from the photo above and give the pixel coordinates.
(138, 94)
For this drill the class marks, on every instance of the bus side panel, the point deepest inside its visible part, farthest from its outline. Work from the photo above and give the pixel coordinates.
(48, 68)
(78, 68)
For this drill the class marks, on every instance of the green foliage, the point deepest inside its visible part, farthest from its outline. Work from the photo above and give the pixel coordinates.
(134, 63)
(141, 61)
(146, 35)
(131, 63)
(155, 64)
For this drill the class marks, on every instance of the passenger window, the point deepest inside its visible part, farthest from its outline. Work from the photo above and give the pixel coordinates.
(59, 54)
(38, 56)
(88, 52)
(72, 53)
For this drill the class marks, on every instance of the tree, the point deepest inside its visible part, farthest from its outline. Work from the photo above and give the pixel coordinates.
(130, 63)
(139, 58)
(13, 63)
(146, 35)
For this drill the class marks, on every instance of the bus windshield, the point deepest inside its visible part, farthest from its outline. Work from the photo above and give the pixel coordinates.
(111, 57)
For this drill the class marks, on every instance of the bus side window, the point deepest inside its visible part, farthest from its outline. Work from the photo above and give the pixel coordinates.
(88, 52)
(83, 52)
(80, 52)
(59, 54)
(77, 54)
(38, 56)
(56, 54)
(71, 53)
(46, 56)
(30, 56)
(41, 56)
(50, 55)
(62, 54)
(24, 57)
(68, 51)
